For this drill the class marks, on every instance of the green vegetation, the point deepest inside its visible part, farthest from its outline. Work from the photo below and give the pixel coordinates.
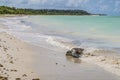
(13, 10)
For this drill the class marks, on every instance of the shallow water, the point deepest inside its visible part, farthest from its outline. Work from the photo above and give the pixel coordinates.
(96, 32)
(85, 31)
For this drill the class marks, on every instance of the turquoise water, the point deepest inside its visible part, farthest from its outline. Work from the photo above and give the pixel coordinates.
(99, 26)
(93, 31)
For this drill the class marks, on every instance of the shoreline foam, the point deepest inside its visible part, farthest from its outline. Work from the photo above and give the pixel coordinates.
(110, 63)
(109, 60)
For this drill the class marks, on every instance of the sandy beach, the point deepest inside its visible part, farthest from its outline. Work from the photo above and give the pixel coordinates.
(59, 40)
(22, 59)
(15, 59)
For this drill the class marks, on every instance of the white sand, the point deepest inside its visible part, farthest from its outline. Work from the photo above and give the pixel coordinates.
(16, 58)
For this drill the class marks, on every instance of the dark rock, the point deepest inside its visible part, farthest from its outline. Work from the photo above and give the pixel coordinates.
(75, 52)
(78, 50)
(68, 53)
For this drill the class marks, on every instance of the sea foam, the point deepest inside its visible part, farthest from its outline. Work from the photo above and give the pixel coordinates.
(15, 24)
(60, 42)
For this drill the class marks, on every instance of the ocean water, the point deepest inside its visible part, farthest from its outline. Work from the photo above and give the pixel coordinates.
(93, 32)
(83, 31)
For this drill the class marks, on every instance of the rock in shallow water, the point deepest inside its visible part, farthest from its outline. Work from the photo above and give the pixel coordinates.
(69, 53)
(75, 52)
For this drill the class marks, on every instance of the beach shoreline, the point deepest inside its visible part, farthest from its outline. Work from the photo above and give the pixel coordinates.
(54, 65)
(22, 59)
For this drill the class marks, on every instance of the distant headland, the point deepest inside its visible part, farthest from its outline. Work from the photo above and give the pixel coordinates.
(13, 10)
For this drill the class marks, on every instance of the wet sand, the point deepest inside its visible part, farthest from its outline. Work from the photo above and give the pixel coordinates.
(53, 65)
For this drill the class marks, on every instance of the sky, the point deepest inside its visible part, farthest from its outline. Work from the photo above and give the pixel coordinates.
(110, 7)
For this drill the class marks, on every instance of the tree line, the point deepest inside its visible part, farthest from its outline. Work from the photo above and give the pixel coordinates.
(13, 10)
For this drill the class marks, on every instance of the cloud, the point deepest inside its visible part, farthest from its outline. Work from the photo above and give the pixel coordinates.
(77, 3)
(117, 3)
(37, 1)
(104, 8)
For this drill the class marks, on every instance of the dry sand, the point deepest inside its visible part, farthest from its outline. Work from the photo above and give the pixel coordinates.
(15, 59)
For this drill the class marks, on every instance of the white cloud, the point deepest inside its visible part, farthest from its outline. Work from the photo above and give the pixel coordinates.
(104, 8)
(72, 3)
(37, 1)
(76, 3)
(117, 3)
(100, 2)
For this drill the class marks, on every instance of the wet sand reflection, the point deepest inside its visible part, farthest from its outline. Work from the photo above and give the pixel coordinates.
(74, 60)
